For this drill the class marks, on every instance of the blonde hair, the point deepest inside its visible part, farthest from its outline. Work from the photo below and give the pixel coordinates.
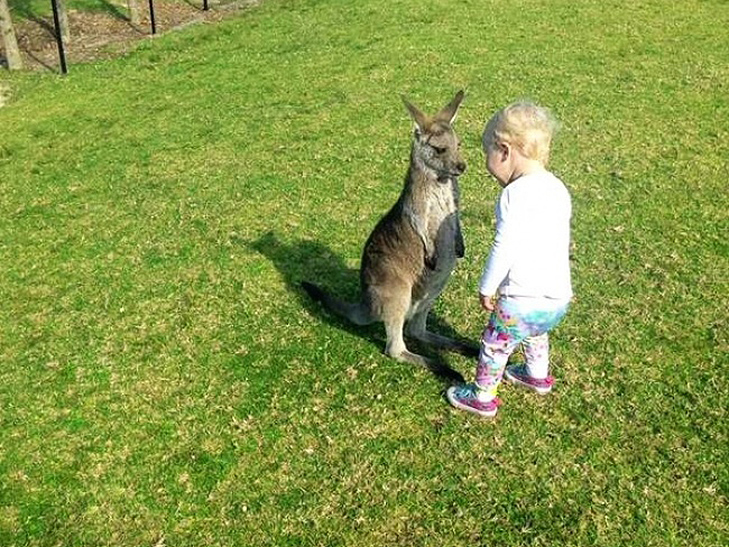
(524, 125)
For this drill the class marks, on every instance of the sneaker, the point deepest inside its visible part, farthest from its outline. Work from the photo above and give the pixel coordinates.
(465, 398)
(517, 374)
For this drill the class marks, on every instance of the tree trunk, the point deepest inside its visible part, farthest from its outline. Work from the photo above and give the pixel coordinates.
(133, 6)
(10, 43)
(63, 21)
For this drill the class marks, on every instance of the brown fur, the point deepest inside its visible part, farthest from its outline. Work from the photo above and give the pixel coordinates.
(412, 250)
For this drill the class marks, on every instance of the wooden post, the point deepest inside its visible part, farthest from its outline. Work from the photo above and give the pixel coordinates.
(12, 52)
(133, 12)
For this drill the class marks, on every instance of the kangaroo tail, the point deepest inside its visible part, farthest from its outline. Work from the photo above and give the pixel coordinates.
(356, 312)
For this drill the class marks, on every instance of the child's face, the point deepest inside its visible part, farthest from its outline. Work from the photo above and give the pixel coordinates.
(497, 161)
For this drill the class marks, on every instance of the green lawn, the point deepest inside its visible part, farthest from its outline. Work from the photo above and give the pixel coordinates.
(163, 380)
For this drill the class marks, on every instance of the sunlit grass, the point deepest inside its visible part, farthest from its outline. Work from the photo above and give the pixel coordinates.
(164, 381)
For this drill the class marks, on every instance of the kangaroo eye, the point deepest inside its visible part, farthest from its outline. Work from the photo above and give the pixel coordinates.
(439, 149)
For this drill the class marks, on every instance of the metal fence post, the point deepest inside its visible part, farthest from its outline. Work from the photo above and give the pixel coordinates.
(59, 38)
(151, 17)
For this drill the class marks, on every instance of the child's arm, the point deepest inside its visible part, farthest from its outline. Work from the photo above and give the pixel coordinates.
(502, 251)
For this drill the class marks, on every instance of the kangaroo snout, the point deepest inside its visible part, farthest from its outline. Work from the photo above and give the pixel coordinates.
(454, 169)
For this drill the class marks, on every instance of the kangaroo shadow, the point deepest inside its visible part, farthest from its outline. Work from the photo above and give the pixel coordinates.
(312, 261)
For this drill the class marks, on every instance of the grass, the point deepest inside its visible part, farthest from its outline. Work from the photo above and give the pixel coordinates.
(165, 382)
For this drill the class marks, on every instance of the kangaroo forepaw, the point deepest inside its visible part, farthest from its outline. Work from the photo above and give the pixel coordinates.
(431, 261)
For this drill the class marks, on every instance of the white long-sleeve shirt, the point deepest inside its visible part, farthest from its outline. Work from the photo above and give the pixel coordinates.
(530, 253)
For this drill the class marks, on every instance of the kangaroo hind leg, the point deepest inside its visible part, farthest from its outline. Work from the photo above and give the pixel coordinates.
(395, 306)
(417, 328)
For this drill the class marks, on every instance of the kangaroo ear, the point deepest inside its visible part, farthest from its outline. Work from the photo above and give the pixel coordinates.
(420, 119)
(449, 112)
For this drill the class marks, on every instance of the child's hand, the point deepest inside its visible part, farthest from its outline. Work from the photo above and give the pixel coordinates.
(487, 302)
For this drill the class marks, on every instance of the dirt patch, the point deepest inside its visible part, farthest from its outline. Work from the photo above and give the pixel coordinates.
(103, 35)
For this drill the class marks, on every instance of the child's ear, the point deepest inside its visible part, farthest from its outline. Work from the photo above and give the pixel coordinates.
(504, 150)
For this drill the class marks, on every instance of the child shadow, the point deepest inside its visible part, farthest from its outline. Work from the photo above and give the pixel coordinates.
(312, 261)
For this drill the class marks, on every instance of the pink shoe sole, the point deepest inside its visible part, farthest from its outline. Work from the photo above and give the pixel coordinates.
(463, 398)
(517, 375)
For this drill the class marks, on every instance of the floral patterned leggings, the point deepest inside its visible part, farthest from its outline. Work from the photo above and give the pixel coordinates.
(517, 321)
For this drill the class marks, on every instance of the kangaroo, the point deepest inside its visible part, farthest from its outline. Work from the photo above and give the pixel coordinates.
(412, 251)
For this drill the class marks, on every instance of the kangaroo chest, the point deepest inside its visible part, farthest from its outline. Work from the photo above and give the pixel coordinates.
(442, 219)
(443, 230)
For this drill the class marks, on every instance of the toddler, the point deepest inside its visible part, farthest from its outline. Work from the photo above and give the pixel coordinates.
(526, 284)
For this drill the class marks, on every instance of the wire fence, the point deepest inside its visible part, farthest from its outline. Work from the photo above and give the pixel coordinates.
(55, 35)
